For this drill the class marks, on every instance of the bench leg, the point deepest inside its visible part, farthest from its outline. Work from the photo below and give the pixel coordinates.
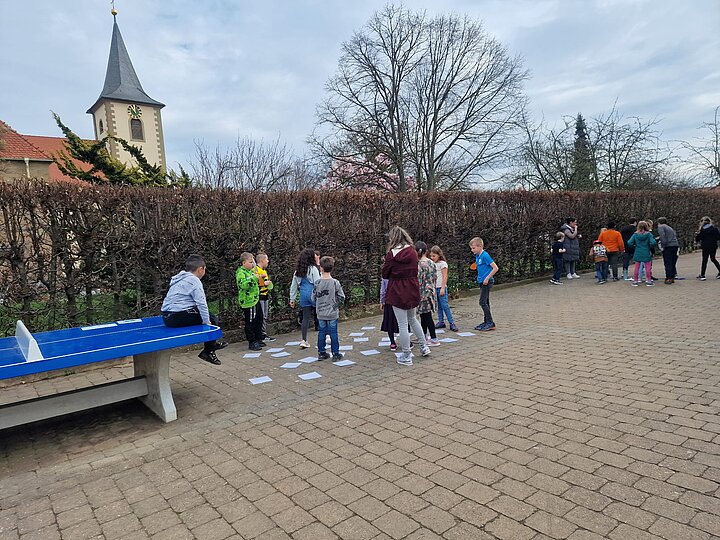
(155, 367)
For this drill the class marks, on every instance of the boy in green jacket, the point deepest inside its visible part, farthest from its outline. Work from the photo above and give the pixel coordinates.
(248, 297)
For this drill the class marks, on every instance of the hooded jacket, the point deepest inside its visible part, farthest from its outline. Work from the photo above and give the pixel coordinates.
(401, 271)
(248, 289)
(186, 292)
(708, 237)
(642, 242)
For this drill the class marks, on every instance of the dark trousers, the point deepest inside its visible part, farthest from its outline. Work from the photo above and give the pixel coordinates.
(670, 257)
(709, 254)
(613, 263)
(179, 319)
(485, 302)
(601, 270)
(253, 323)
(627, 257)
(428, 325)
(557, 268)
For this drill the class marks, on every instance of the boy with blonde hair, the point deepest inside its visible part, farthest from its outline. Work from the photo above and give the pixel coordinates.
(486, 269)
(266, 285)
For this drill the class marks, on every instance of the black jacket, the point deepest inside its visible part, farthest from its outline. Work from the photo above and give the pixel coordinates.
(708, 237)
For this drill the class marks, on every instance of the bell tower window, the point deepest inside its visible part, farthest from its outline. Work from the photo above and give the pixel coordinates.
(101, 126)
(136, 130)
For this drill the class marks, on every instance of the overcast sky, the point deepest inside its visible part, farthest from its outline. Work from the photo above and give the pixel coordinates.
(229, 68)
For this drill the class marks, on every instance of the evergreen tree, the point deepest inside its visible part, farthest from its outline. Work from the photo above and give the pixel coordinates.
(105, 169)
(582, 177)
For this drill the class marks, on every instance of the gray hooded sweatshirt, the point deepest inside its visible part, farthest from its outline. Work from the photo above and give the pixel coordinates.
(186, 292)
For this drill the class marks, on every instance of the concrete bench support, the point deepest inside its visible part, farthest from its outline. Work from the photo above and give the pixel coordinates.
(155, 367)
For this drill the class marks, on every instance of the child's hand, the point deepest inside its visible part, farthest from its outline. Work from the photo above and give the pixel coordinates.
(292, 304)
(382, 306)
(442, 291)
(486, 281)
(266, 282)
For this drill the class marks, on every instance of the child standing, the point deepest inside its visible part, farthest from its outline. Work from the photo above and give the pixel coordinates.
(598, 254)
(403, 291)
(389, 322)
(427, 279)
(328, 296)
(441, 289)
(642, 242)
(558, 248)
(486, 269)
(303, 282)
(708, 236)
(262, 261)
(248, 298)
(185, 305)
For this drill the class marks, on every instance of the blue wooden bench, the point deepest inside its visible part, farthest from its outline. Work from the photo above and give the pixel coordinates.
(148, 341)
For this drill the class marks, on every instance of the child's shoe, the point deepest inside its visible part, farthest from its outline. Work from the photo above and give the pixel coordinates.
(405, 359)
(425, 351)
(254, 346)
(337, 356)
(209, 356)
(575, 276)
(440, 324)
(702, 278)
(454, 327)
(433, 342)
(487, 327)
(268, 338)
(569, 276)
(393, 346)
(304, 344)
(328, 339)
(480, 326)
(220, 345)
(635, 284)
(323, 355)
(650, 283)
(555, 282)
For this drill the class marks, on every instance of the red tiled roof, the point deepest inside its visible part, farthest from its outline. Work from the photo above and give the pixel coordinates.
(15, 146)
(36, 148)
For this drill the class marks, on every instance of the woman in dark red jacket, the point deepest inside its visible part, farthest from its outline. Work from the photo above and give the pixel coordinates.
(403, 290)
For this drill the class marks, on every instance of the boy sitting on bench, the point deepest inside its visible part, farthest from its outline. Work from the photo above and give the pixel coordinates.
(185, 305)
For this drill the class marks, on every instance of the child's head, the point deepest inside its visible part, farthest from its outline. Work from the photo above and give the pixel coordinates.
(610, 224)
(305, 260)
(196, 265)
(572, 221)
(327, 263)
(649, 224)
(477, 245)
(662, 221)
(262, 260)
(246, 260)
(642, 226)
(559, 236)
(398, 237)
(436, 254)
(421, 248)
(705, 220)
(633, 221)
(317, 257)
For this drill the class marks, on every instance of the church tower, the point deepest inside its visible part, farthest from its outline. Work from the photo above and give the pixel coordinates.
(124, 110)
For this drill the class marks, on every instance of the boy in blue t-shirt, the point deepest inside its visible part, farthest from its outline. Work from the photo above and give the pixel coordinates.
(486, 269)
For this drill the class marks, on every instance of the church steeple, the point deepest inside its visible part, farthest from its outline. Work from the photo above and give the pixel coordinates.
(121, 81)
(124, 110)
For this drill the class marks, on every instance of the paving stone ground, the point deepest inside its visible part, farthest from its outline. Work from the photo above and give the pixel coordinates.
(592, 412)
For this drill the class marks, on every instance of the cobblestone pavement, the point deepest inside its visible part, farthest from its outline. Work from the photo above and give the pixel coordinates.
(592, 412)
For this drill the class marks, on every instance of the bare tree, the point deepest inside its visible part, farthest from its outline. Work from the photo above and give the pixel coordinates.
(704, 154)
(436, 99)
(250, 164)
(366, 108)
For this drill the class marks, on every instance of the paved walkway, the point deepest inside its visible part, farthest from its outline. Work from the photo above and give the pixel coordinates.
(592, 412)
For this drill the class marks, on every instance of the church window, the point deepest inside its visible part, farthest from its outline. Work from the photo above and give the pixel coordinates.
(101, 126)
(136, 130)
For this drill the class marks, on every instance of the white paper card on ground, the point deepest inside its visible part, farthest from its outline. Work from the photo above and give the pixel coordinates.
(310, 376)
(447, 340)
(251, 355)
(280, 354)
(466, 334)
(343, 363)
(274, 349)
(370, 352)
(308, 359)
(356, 334)
(360, 339)
(98, 326)
(384, 343)
(260, 380)
(368, 328)
(292, 344)
(129, 321)
(291, 365)
(439, 331)
(346, 347)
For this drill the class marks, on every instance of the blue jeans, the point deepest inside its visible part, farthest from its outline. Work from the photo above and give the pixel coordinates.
(601, 270)
(557, 268)
(444, 307)
(328, 328)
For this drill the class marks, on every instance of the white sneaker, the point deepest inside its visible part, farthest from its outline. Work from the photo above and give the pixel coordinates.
(304, 345)
(433, 342)
(575, 276)
(328, 340)
(569, 276)
(425, 351)
(404, 360)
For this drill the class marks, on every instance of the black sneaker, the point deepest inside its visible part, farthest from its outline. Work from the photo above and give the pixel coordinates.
(220, 345)
(323, 355)
(337, 356)
(255, 346)
(261, 343)
(268, 338)
(209, 356)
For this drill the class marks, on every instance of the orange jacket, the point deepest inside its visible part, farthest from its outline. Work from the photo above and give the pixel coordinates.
(612, 240)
